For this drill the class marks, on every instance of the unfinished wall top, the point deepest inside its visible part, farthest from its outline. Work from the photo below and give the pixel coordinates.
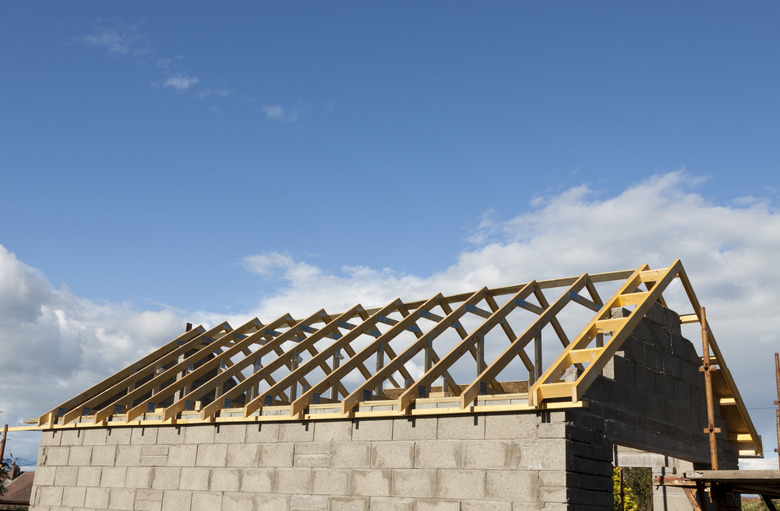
(476, 352)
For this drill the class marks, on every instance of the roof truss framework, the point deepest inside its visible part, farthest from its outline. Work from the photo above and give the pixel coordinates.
(446, 354)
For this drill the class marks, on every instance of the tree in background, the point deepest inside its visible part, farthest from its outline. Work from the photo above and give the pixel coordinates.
(637, 486)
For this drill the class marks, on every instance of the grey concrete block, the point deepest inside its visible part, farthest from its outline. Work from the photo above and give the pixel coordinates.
(225, 479)
(79, 455)
(50, 438)
(74, 496)
(238, 502)
(230, 433)
(487, 454)
(351, 455)
(98, 498)
(113, 477)
(71, 437)
(144, 436)
(438, 505)
(308, 502)
(128, 456)
(139, 477)
(262, 432)
(372, 430)
(103, 455)
(88, 476)
(257, 480)
(171, 435)
(154, 455)
(296, 432)
(182, 455)
(66, 476)
(540, 454)
(95, 436)
(460, 484)
(207, 501)
(557, 495)
(242, 455)
(391, 504)
(166, 478)
(332, 431)
(293, 480)
(50, 496)
(211, 455)
(55, 456)
(119, 436)
(417, 428)
(276, 455)
(194, 478)
(394, 454)
(461, 427)
(148, 500)
(372, 482)
(176, 500)
(483, 505)
(329, 481)
(271, 503)
(437, 454)
(197, 434)
(510, 426)
(44, 476)
(519, 485)
(414, 483)
(317, 454)
(121, 498)
(348, 504)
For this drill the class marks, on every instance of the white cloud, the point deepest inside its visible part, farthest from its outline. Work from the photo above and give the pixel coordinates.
(180, 81)
(56, 344)
(59, 344)
(279, 113)
(205, 93)
(119, 40)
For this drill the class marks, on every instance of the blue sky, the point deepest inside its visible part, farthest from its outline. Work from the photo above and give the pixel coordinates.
(188, 161)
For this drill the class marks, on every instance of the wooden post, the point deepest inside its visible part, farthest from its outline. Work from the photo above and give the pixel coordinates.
(777, 412)
(2, 442)
(380, 363)
(538, 355)
(707, 369)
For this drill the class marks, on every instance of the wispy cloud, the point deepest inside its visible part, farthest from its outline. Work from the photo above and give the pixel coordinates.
(118, 40)
(180, 81)
(206, 93)
(279, 113)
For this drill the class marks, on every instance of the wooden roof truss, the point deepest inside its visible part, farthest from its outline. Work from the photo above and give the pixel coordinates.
(465, 353)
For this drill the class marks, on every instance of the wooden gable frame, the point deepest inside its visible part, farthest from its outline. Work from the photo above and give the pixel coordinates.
(321, 366)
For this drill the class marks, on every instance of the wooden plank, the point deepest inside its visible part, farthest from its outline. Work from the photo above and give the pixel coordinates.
(584, 355)
(306, 398)
(150, 368)
(80, 399)
(310, 364)
(268, 343)
(594, 369)
(408, 396)
(407, 354)
(211, 349)
(498, 365)
(561, 363)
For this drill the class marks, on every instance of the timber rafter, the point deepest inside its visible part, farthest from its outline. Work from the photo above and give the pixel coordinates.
(471, 352)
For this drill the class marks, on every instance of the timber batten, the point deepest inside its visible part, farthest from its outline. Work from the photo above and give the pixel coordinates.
(455, 354)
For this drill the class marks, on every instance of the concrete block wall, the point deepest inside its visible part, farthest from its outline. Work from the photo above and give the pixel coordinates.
(483, 462)
(651, 397)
